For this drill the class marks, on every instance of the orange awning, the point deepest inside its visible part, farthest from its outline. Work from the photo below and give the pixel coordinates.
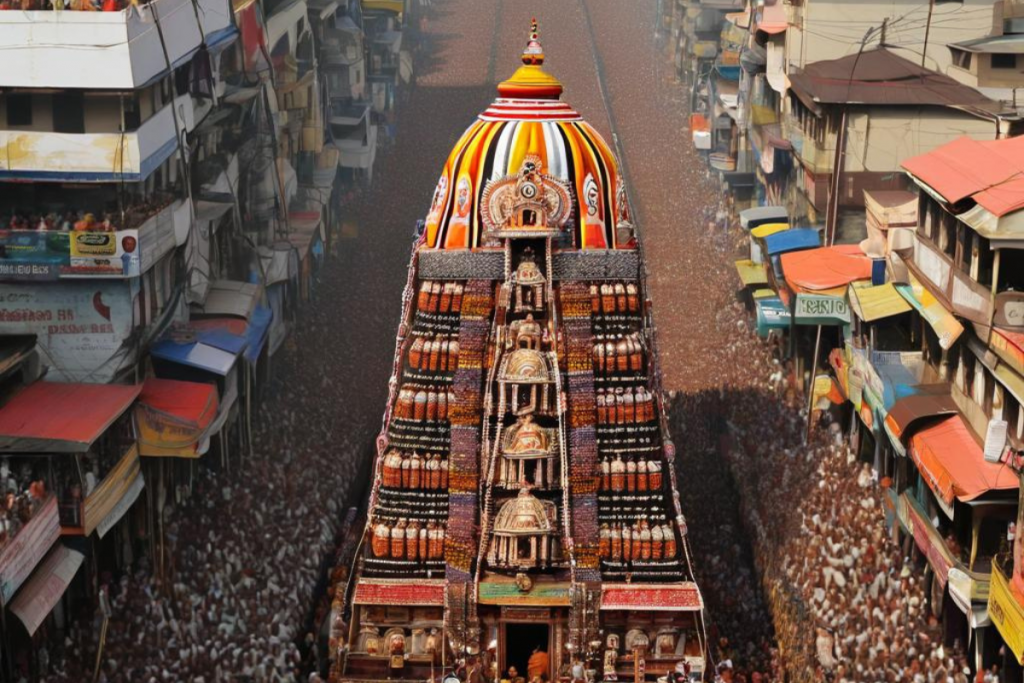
(825, 268)
(953, 464)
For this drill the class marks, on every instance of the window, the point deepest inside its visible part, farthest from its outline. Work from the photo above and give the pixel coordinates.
(965, 255)
(19, 109)
(1003, 61)
(984, 260)
(947, 234)
(69, 112)
(928, 213)
(962, 58)
(1011, 270)
(979, 390)
(967, 362)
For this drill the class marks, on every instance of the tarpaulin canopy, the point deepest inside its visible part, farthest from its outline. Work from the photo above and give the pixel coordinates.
(55, 417)
(221, 338)
(38, 596)
(229, 297)
(791, 240)
(824, 268)
(946, 327)
(766, 228)
(276, 263)
(929, 402)
(173, 416)
(751, 273)
(953, 463)
(991, 172)
(256, 335)
(195, 355)
(880, 77)
(878, 302)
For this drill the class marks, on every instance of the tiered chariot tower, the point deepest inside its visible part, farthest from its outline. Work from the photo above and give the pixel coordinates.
(525, 491)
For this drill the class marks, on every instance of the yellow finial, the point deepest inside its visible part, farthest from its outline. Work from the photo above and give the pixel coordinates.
(530, 81)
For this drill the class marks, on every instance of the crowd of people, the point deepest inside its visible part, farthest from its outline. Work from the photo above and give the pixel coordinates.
(74, 5)
(24, 491)
(135, 213)
(832, 597)
(246, 549)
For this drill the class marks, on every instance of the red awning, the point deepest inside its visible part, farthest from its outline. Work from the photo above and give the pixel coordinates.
(173, 416)
(953, 464)
(825, 268)
(670, 597)
(989, 171)
(54, 417)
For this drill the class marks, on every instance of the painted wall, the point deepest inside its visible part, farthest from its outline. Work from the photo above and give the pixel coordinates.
(79, 327)
(92, 157)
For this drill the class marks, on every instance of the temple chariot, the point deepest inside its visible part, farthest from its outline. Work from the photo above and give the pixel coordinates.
(524, 496)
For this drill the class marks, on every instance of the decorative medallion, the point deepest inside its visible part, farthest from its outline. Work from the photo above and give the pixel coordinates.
(527, 203)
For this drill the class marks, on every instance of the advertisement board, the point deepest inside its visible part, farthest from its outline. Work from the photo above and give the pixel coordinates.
(80, 328)
(51, 255)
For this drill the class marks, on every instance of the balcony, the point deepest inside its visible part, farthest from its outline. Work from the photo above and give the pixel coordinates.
(92, 157)
(74, 254)
(953, 287)
(112, 50)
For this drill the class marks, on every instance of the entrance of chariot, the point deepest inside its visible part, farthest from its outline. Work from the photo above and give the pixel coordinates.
(518, 643)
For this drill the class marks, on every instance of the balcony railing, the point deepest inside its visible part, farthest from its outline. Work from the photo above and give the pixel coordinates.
(107, 503)
(109, 49)
(93, 157)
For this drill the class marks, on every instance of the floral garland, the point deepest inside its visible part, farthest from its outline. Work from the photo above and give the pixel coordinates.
(584, 471)
(465, 416)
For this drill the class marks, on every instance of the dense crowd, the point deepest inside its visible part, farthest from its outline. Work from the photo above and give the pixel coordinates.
(845, 603)
(246, 551)
(800, 578)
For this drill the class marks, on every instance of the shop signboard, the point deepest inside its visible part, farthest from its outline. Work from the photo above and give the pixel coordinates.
(1007, 613)
(80, 328)
(821, 309)
(32, 254)
(104, 254)
(21, 555)
(1010, 310)
(50, 254)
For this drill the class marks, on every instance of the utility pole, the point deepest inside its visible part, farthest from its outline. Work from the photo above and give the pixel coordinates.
(927, 32)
